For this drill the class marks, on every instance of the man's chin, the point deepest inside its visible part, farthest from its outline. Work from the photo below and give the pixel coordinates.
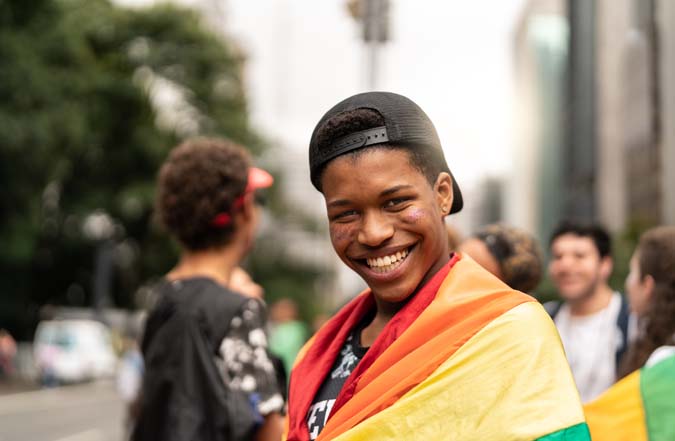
(576, 297)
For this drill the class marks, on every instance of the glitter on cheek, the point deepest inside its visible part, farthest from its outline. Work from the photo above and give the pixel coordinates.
(414, 215)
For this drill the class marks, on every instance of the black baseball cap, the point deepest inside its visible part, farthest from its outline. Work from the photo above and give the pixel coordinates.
(406, 125)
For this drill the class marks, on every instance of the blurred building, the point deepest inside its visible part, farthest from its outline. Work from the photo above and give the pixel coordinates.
(536, 193)
(488, 201)
(595, 112)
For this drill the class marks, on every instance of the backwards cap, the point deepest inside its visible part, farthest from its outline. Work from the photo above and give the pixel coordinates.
(406, 125)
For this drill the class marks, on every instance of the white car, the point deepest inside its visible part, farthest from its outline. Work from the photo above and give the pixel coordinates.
(68, 351)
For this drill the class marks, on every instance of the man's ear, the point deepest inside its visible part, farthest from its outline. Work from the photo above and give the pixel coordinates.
(247, 211)
(648, 285)
(443, 191)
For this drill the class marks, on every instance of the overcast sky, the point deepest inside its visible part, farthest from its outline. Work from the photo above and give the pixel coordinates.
(452, 57)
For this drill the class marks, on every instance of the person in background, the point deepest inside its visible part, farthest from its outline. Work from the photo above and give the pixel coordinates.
(509, 253)
(287, 333)
(454, 237)
(651, 291)
(7, 354)
(592, 319)
(436, 347)
(129, 379)
(318, 321)
(641, 406)
(207, 373)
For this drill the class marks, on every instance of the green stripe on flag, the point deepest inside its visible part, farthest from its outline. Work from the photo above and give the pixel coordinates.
(657, 385)
(578, 432)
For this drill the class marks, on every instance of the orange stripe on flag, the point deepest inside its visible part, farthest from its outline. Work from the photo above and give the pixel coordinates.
(468, 300)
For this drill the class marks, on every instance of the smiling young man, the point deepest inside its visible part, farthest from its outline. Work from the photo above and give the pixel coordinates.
(593, 319)
(437, 347)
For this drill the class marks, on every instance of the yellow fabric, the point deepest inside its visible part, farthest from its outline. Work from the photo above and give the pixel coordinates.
(510, 381)
(618, 414)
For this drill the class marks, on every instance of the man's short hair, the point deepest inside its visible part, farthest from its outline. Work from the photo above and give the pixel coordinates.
(601, 239)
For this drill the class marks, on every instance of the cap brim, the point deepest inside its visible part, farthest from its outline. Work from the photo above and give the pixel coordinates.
(457, 199)
(258, 178)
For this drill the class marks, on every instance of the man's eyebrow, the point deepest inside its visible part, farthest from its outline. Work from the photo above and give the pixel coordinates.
(387, 192)
(394, 189)
(339, 203)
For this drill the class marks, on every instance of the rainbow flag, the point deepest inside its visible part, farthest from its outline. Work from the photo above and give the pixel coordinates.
(640, 407)
(466, 359)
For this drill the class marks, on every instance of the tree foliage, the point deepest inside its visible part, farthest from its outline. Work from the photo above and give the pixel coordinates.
(91, 98)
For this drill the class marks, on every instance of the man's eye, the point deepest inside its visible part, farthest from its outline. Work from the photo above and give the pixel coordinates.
(343, 214)
(393, 203)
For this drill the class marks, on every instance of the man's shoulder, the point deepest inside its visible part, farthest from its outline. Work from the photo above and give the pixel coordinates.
(211, 298)
(468, 276)
(524, 328)
(530, 317)
(616, 314)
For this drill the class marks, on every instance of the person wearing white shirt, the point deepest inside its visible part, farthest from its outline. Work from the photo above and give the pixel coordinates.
(592, 319)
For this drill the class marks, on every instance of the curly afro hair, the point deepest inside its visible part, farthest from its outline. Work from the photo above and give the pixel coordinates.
(201, 178)
(518, 253)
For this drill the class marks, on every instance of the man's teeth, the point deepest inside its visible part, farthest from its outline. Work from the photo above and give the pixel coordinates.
(387, 262)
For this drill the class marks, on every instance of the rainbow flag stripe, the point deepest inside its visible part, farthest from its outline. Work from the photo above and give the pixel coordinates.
(640, 407)
(480, 362)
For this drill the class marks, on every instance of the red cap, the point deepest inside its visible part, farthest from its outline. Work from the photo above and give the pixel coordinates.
(258, 178)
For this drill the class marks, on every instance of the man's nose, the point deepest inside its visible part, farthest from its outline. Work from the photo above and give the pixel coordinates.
(375, 229)
(563, 263)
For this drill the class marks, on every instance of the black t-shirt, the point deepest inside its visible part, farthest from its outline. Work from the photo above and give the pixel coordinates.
(350, 355)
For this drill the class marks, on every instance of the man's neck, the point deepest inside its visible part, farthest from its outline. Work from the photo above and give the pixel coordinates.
(373, 330)
(216, 264)
(598, 301)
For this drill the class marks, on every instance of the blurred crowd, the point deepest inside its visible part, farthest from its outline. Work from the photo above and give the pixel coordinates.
(214, 361)
(608, 336)
(488, 334)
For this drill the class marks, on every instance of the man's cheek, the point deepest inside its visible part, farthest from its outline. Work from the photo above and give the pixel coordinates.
(341, 232)
(414, 215)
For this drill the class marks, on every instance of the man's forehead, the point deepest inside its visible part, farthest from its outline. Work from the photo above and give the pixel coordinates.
(373, 162)
(371, 174)
(572, 241)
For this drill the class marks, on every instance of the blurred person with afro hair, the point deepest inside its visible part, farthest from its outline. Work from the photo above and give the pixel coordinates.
(208, 375)
(509, 253)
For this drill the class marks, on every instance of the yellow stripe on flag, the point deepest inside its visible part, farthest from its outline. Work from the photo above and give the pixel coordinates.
(510, 381)
(618, 414)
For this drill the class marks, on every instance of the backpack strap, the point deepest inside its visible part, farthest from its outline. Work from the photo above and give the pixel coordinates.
(552, 308)
(622, 323)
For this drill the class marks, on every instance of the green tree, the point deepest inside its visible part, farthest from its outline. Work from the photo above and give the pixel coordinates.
(91, 98)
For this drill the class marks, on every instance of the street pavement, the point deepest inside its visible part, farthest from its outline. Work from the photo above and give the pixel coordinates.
(83, 412)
